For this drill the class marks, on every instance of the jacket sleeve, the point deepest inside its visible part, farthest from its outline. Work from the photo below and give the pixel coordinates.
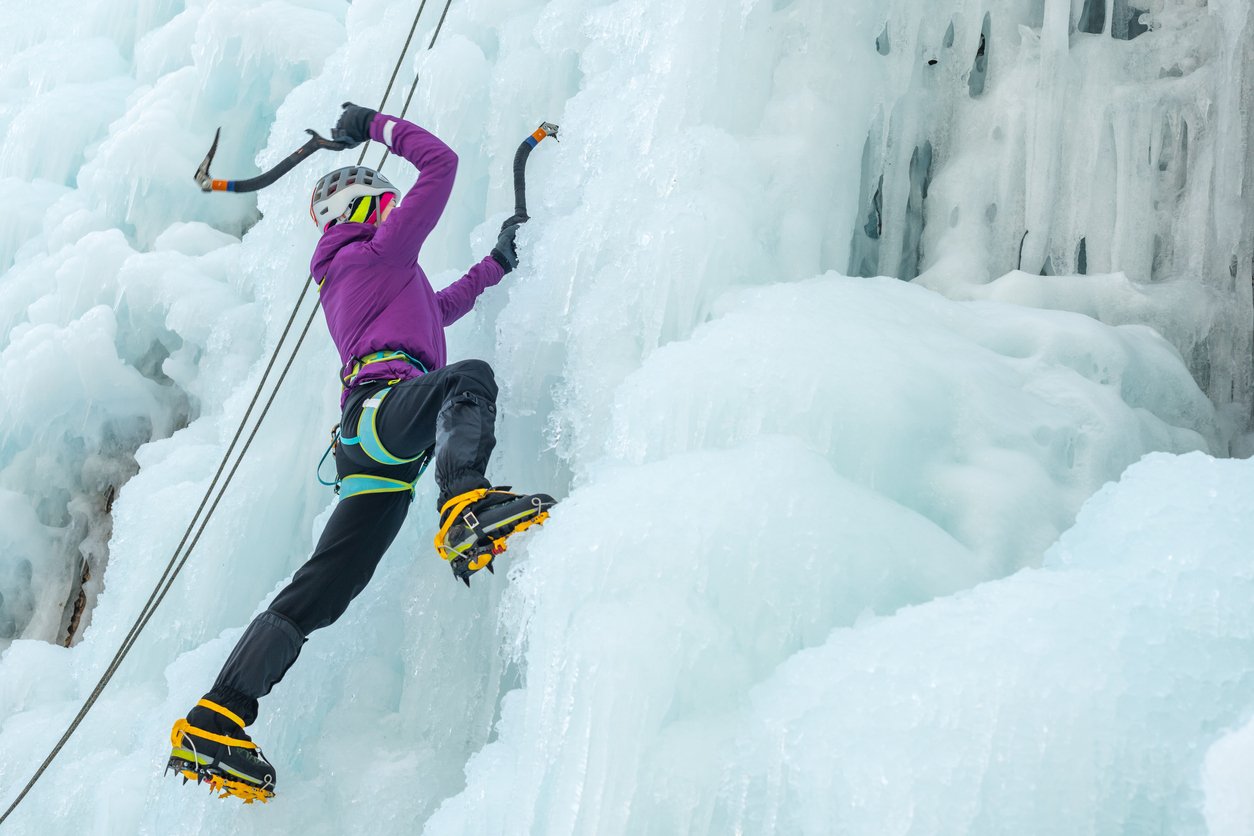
(407, 227)
(457, 299)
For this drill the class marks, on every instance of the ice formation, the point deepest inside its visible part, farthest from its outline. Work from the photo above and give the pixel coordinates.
(821, 563)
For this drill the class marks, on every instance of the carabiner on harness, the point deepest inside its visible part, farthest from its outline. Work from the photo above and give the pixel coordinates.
(335, 442)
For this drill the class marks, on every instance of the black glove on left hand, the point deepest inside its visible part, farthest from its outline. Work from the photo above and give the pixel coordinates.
(505, 253)
(354, 125)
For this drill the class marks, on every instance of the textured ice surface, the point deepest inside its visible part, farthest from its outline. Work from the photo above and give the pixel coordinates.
(802, 579)
(1076, 698)
(1066, 137)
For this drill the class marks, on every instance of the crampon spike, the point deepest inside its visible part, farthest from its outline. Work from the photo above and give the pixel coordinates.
(222, 785)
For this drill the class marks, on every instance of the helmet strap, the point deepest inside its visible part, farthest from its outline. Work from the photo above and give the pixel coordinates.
(385, 200)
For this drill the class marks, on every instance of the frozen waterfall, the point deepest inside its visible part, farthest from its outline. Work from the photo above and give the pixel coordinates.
(893, 361)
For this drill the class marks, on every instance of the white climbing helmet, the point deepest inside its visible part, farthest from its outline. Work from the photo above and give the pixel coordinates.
(334, 195)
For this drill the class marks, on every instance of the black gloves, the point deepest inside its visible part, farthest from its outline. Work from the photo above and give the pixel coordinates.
(354, 125)
(505, 252)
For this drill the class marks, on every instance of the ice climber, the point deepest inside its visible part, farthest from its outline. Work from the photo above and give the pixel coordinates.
(401, 406)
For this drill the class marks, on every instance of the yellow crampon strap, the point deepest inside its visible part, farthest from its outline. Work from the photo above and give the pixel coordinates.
(182, 727)
(223, 710)
(458, 503)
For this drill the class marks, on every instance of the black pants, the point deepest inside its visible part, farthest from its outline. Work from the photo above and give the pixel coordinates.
(454, 409)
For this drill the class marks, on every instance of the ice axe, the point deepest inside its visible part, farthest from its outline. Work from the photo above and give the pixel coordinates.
(208, 184)
(316, 142)
(520, 167)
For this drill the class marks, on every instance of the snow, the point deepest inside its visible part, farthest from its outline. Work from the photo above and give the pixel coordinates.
(836, 552)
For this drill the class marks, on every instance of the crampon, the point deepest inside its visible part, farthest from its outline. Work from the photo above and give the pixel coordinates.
(230, 763)
(475, 525)
(220, 784)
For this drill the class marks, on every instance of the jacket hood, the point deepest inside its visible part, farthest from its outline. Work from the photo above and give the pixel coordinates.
(335, 238)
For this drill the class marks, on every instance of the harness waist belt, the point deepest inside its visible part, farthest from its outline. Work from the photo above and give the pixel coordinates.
(353, 368)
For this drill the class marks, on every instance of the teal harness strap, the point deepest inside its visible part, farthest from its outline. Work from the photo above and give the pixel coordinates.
(368, 433)
(359, 484)
(356, 484)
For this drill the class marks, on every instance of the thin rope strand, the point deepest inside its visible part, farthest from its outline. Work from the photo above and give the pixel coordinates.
(414, 86)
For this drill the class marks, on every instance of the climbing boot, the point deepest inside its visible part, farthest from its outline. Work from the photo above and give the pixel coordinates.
(475, 525)
(210, 746)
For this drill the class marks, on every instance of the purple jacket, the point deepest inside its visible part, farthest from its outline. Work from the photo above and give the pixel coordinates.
(373, 292)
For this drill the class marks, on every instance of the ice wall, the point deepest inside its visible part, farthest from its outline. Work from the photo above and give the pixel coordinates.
(1070, 699)
(1066, 137)
(122, 310)
(761, 460)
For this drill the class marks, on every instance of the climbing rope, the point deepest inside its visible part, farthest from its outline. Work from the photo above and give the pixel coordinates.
(180, 555)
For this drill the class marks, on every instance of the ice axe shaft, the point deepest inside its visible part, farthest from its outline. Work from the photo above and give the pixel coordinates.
(520, 165)
(209, 184)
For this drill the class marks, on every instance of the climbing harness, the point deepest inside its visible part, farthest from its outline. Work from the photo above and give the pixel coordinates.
(367, 438)
(368, 433)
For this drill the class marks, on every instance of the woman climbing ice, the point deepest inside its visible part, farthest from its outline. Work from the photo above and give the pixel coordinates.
(402, 406)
